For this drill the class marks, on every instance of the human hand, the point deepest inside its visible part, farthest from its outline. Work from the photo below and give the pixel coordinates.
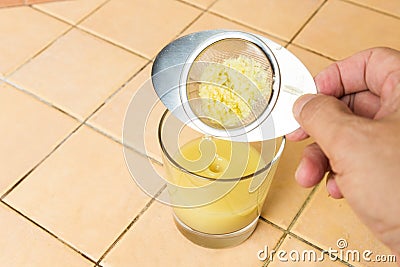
(357, 139)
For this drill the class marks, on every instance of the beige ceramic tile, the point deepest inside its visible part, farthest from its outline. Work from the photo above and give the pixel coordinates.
(280, 18)
(110, 117)
(340, 29)
(200, 3)
(388, 6)
(280, 208)
(155, 241)
(286, 197)
(152, 146)
(78, 72)
(326, 220)
(30, 131)
(149, 175)
(142, 117)
(24, 244)
(23, 33)
(297, 254)
(83, 193)
(209, 21)
(315, 63)
(70, 10)
(143, 27)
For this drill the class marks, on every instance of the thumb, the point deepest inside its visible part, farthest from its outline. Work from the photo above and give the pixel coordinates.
(325, 118)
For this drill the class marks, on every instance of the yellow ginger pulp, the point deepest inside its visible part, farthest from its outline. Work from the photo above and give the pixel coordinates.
(230, 89)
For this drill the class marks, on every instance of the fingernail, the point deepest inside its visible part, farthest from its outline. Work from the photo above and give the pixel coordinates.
(300, 102)
(296, 174)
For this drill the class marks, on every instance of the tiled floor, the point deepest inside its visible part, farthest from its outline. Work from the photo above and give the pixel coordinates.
(67, 73)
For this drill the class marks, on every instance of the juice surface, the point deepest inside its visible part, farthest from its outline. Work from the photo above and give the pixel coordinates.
(222, 159)
(233, 210)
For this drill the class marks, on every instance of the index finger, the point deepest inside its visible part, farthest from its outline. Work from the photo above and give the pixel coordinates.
(366, 70)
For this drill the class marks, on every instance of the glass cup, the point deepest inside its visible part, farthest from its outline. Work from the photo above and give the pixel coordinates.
(217, 188)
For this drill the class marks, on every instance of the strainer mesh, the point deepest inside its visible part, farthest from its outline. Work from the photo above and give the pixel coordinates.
(229, 84)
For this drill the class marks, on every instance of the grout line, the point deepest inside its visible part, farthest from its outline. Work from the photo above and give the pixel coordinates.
(84, 122)
(195, 19)
(246, 25)
(281, 239)
(287, 231)
(98, 36)
(39, 163)
(313, 51)
(124, 145)
(129, 80)
(72, 26)
(191, 4)
(52, 234)
(47, 231)
(190, 24)
(92, 12)
(276, 248)
(372, 9)
(347, 1)
(315, 247)
(67, 113)
(198, 7)
(107, 99)
(272, 35)
(49, 14)
(66, 21)
(44, 101)
(146, 207)
(118, 89)
(69, 28)
(300, 211)
(307, 21)
(272, 224)
(93, 34)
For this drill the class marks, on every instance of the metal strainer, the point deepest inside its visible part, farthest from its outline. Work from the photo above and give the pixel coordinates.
(217, 116)
(233, 104)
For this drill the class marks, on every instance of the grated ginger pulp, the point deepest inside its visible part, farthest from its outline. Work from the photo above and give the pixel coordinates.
(232, 88)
